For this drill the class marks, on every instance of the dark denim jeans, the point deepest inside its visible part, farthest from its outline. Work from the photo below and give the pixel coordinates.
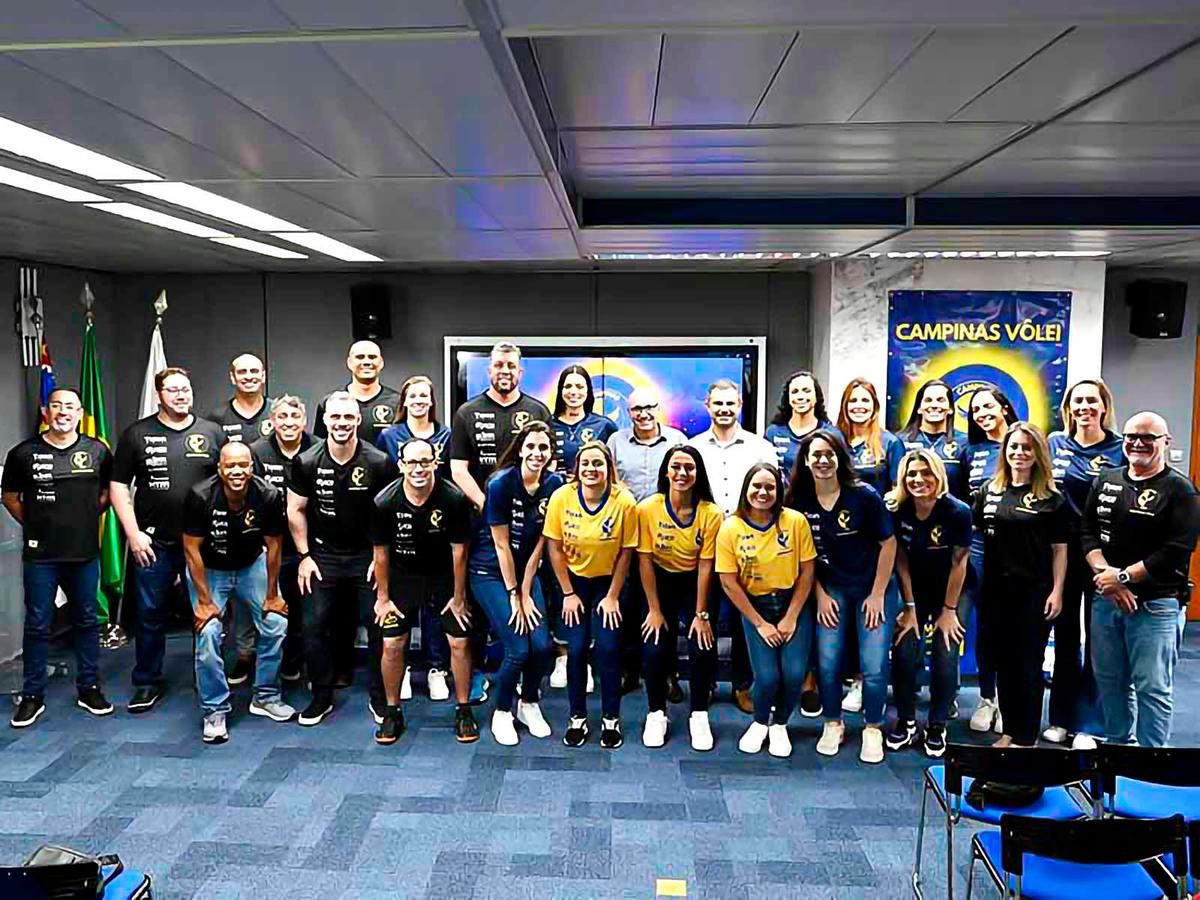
(42, 581)
(528, 655)
(152, 586)
(908, 658)
(677, 597)
(607, 654)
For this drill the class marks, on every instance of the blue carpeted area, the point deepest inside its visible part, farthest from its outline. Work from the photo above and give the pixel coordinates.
(284, 811)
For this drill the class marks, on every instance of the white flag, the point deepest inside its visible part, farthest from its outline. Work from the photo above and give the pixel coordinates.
(156, 363)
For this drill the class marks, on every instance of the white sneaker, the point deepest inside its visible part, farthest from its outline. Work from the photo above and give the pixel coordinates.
(215, 731)
(752, 740)
(272, 709)
(591, 681)
(852, 702)
(655, 732)
(558, 678)
(832, 736)
(438, 689)
(986, 714)
(778, 744)
(406, 685)
(530, 715)
(1083, 741)
(872, 745)
(503, 729)
(1055, 734)
(701, 731)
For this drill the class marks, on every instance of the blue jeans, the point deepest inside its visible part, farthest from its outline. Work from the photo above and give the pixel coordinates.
(1133, 658)
(529, 655)
(873, 647)
(152, 585)
(607, 654)
(42, 581)
(778, 671)
(249, 585)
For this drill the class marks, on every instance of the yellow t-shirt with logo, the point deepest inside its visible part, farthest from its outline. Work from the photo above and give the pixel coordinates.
(676, 546)
(765, 560)
(592, 538)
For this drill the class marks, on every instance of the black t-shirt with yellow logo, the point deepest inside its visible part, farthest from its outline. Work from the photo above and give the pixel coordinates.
(930, 544)
(163, 463)
(378, 415)
(233, 538)
(847, 539)
(60, 490)
(483, 429)
(419, 538)
(240, 428)
(341, 497)
(1019, 531)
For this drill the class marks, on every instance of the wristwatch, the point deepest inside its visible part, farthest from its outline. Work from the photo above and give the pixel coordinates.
(702, 615)
(1123, 576)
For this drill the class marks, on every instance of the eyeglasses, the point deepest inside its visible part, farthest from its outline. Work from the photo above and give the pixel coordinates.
(419, 463)
(1146, 439)
(638, 410)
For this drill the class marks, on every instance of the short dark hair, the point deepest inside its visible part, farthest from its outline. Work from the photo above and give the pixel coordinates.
(702, 489)
(65, 389)
(161, 376)
(410, 442)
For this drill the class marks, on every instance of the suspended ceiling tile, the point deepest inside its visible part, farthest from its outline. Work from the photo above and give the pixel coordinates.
(516, 203)
(299, 88)
(396, 203)
(161, 18)
(830, 73)
(546, 244)
(324, 14)
(427, 246)
(600, 79)
(444, 93)
(1170, 91)
(49, 20)
(150, 85)
(1082, 63)
(283, 199)
(715, 78)
(949, 69)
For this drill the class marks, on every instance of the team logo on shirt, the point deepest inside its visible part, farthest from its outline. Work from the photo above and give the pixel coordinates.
(266, 427)
(606, 527)
(867, 458)
(519, 420)
(1145, 499)
(382, 415)
(358, 476)
(950, 449)
(197, 445)
(1096, 465)
(435, 520)
(1028, 501)
(935, 536)
(541, 507)
(81, 461)
(843, 520)
(782, 537)
(250, 520)
(586, 435)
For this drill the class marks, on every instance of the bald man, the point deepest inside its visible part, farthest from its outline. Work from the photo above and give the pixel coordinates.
(1139, 531)
(639, 450)
(377, 403)
(246, 417)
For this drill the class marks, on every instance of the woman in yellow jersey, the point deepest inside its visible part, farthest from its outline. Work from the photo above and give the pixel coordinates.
(765, 557)
(677, 541)
(591, 533)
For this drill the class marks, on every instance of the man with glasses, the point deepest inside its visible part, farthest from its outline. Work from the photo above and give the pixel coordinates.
(56, 487)
(1139, 531)
(639, 450)
(164, 455)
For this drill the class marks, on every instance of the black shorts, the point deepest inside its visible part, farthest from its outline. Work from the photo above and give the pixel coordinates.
(410, 593)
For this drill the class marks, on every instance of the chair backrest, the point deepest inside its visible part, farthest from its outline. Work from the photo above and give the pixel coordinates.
(1093, 841)
(1174, 766)
(70, 881)
(1026, 766)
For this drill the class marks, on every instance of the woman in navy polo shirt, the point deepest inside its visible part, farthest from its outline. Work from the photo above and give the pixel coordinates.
(801, 412)
(855, 551)
(575, 420)
(875, 452)
(931, 425)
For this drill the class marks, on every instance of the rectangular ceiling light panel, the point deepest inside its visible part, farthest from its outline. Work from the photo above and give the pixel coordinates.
(162, 220)
(202, 201)
(21, 140)
(27, 182)
(258, 247)
(328, 246)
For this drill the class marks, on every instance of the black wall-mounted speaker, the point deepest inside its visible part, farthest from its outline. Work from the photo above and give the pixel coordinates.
(1156, 307)
(371, 312)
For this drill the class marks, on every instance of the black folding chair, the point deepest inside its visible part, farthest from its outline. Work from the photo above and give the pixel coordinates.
(1051, 769)
(1150, 782)
(74, 881)
(1106, 858)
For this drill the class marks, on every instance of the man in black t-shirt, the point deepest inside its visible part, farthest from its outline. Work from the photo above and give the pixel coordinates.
(246, 417)
(377, 403)
(56, 486)
(420, 530)
(331, 498)
(274, 457)
(1139, 531)
(164, 455)
(227, 519)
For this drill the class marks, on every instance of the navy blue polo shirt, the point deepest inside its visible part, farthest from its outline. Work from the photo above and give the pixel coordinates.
(508, 503)
(847, 538)
(930, 544)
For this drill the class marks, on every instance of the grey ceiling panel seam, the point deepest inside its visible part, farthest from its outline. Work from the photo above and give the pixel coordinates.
(304, 36)
(662, 48)
(1032, 56)
(774, 75)
(890, 75)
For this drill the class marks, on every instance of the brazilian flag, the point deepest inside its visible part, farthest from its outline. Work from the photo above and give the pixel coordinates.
(95, 424)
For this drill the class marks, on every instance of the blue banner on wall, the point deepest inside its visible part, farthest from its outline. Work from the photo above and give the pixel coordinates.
(1015, 340)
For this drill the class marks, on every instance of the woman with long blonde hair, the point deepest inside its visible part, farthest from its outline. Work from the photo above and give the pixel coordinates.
(1026, 526)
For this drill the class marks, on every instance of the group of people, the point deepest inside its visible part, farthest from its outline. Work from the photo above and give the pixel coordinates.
(838, 551)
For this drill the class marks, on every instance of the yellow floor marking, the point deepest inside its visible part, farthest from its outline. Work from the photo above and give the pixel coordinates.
(670, 887)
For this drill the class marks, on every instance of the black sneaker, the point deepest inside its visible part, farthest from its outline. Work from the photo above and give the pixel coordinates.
(378, 709)
(318, 709)
(391, 726)
(935, 741)
(91, 699)
(466, 729)
(28, 710)
(144, 698)
(810, 705)
(674, 690)
(610, 734)
(903, 735)
(243, 669)
(577, 733)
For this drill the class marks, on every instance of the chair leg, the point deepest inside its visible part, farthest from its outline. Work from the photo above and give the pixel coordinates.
(916, 873)
(971, 875)
(949, 856)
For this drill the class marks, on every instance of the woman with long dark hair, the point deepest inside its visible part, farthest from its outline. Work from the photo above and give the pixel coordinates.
(503, 566)
(677, 543)
(875, 451)
(856, 550)
(933, 541)
(765, 560)
(931, 425)
(1087, 445)
(1025, 527)
(575, 420)
(801, 411)
(592, 533)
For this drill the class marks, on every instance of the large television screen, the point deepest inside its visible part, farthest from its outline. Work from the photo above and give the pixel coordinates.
(680, 370)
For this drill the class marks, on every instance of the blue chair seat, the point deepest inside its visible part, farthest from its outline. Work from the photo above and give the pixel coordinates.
(1143, 800)
(1055, 802)
(1052, 879)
